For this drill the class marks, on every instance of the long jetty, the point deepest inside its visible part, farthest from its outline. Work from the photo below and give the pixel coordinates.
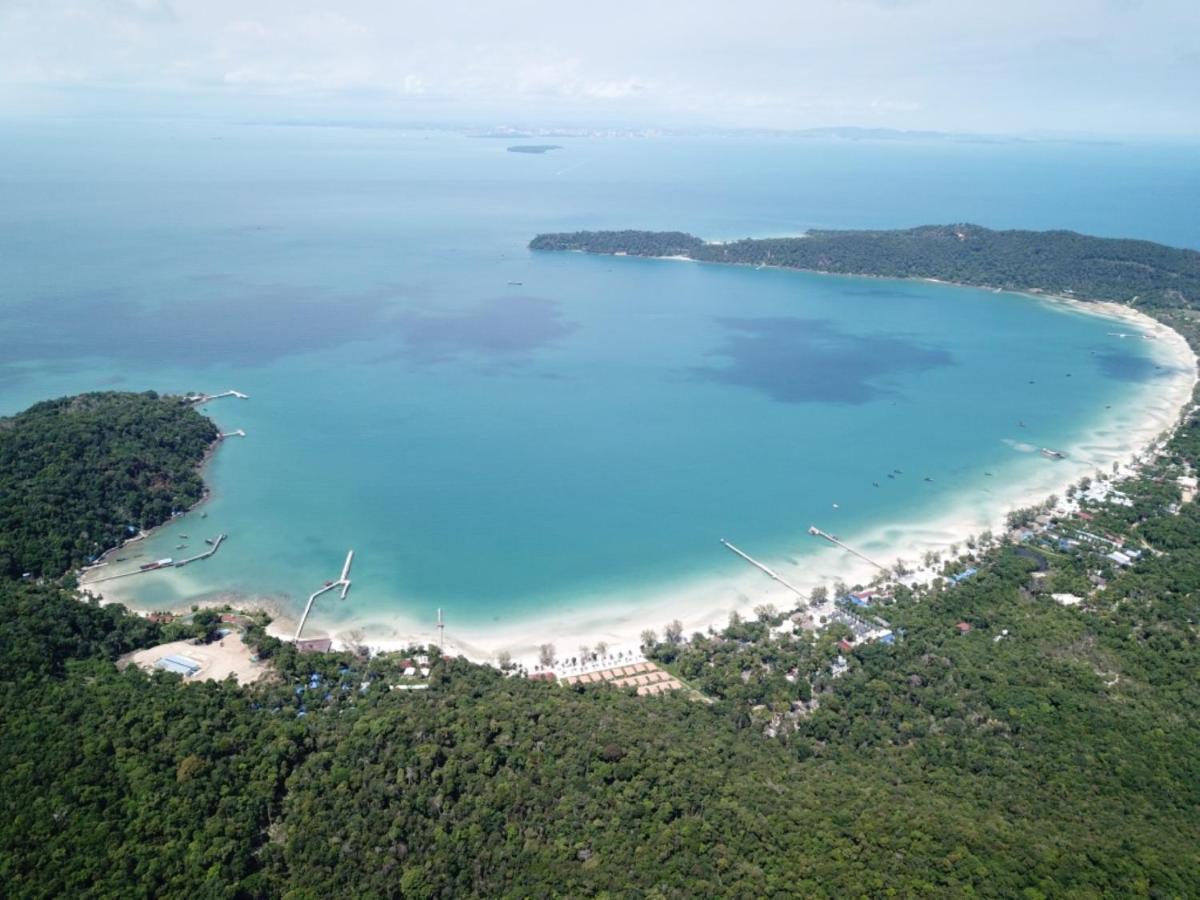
(205, 555)
(766, 569)
(817, 532)
(205, 398)
(343, 582)
(173, 565)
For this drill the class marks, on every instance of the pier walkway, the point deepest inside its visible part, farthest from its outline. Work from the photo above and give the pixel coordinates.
(766, 569)
(174, 564)
(343, 582)
(205, 398)
(817, 532)
(205, 555)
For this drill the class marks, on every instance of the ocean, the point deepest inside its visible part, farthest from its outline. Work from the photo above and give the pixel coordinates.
(513, 437)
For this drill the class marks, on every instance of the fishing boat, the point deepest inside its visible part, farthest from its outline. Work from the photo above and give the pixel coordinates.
(1051, 453)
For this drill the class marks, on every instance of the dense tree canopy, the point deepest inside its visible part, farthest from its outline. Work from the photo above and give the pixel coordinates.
(77, 473)
(1056, 262)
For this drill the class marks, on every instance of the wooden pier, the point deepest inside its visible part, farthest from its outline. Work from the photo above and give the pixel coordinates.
(241, 432)
(817, 532)
(343, 582)
(766, 569)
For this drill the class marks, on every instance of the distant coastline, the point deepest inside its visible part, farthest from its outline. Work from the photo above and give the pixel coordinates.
(533, 148)
(1060, 263)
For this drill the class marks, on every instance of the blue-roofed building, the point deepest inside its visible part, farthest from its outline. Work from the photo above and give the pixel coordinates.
(963, 575)
(887, 638)
(180, 665)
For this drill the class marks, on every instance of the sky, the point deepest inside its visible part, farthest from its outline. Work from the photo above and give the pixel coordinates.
(1120, 67)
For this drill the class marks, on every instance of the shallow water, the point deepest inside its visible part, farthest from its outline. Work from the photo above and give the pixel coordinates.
(502, 433)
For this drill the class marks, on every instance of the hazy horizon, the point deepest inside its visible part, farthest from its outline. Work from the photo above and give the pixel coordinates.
(1074, 68)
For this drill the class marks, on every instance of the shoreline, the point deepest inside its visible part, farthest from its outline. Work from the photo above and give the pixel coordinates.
(700, 601)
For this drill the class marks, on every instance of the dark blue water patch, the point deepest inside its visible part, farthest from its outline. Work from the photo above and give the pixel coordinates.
(1125, 365)
(794, 360)
(233, 324)
(499, 331)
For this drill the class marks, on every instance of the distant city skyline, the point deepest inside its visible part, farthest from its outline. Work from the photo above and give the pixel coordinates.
(1105, 67)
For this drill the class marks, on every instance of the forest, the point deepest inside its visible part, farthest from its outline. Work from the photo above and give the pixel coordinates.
(1053, 262)
(80, 474)
(1048, 752)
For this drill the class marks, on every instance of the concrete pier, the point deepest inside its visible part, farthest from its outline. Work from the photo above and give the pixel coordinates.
(343, 582)
(205, 398)
(817, 532)
(205, 555)
(771, 573)
(174, 565)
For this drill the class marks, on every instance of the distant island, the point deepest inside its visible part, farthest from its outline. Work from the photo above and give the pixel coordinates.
(1052, 262)
(533, 148)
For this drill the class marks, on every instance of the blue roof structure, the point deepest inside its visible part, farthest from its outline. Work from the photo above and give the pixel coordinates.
(180, 665)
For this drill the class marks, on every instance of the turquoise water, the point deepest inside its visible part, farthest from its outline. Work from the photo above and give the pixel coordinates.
(501, 449)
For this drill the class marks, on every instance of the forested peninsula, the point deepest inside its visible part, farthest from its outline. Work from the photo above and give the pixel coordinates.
(80, 474)
(1052, 262)
(1004, 745)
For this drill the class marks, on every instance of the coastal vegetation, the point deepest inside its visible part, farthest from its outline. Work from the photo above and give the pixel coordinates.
(1052, 262)
(78, 475)
(1045, 751)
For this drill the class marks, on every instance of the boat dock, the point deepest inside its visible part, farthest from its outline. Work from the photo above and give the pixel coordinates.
(343, 582)
(771, 573)
(241, 432)
(205, 398)
(817, 532)
(173, 564)
(205, 555)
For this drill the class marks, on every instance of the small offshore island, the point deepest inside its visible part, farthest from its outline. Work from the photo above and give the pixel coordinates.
(533, 148)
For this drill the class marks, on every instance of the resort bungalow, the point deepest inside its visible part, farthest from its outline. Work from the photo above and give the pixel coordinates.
(963, 627)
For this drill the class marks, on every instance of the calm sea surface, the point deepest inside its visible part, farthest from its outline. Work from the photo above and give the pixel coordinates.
(498, 432)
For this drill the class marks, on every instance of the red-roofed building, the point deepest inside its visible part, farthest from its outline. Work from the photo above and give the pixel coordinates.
(1086, 516)
(845, 645)
(963, 627)
(542, 676)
